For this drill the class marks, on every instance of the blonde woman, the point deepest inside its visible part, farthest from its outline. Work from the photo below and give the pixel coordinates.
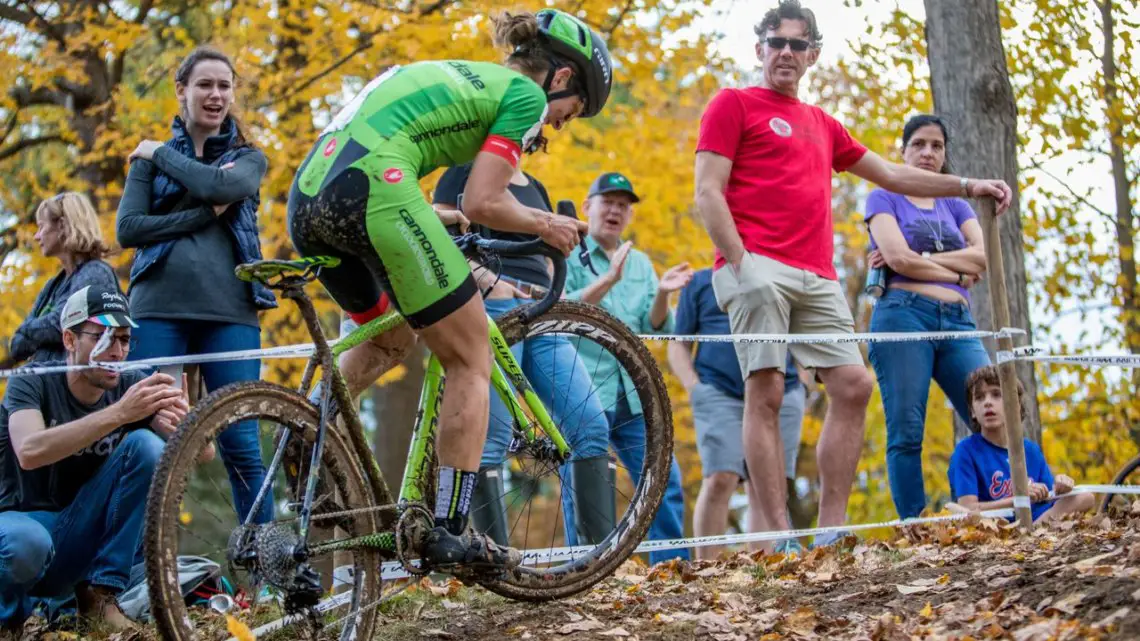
(67, 229)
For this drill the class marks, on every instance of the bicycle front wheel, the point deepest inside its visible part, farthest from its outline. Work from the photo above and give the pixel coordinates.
(606, 395)
(189, 513)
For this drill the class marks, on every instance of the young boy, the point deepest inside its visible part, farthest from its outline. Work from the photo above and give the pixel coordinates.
(980, 477)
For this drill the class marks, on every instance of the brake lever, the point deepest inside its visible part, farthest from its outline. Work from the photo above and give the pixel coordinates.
(567, 208)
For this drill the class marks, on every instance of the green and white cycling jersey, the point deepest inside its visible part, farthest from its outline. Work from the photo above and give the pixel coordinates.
(438, 114)
(402, 126)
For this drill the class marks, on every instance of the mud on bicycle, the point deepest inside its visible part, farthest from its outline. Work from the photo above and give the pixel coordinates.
(324, 565)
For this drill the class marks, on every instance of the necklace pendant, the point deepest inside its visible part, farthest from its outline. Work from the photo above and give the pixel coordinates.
(938, 245)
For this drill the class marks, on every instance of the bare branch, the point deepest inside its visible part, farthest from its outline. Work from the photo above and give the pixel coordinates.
(618, 18)
(27, 143)
(1081, 199)
(365, 44)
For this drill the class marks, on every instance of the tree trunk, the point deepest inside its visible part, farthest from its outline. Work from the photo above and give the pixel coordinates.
(394, 405)
(971, 88)
(1129, 295)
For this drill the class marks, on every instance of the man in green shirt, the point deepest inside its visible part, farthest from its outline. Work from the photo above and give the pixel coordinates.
(627, 287)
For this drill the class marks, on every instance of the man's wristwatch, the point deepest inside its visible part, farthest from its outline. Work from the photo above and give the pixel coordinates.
(965, 183)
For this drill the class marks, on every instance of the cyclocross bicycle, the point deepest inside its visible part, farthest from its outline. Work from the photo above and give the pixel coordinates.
(317, 568)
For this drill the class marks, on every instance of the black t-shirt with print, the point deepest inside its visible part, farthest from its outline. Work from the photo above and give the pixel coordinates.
(53, 487)
(531, 269)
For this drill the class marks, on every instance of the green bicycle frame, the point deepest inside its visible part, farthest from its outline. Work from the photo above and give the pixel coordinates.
(504, 375)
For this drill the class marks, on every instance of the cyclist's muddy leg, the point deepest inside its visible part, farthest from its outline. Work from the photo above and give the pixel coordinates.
(365, 363)
(461, 343)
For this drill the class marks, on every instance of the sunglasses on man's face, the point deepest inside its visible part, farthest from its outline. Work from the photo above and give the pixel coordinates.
(796, 43)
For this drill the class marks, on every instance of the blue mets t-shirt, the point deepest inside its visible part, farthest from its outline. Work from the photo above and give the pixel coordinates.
(980, 468)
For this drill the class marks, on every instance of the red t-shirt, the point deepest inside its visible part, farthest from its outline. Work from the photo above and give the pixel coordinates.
(779, 190)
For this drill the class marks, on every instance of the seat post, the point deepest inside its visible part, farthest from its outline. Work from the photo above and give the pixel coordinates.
(295, 291)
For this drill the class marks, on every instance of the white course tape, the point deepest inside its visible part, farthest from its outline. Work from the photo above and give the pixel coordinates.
(392, 569)
(1105, 489)
(286, 351)
(1022, 501)
(1117, 360)
(866, 337)
(305, 350)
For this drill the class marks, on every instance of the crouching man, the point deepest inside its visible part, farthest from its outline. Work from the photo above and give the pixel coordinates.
(77, 452)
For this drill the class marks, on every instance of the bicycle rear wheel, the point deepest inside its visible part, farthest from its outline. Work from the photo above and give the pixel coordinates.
(184, 516)
(536, 492)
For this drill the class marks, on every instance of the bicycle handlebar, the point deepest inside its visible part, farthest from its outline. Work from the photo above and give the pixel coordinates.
(535, 247)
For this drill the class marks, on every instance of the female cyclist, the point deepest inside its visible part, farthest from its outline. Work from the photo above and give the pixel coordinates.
(357, 197)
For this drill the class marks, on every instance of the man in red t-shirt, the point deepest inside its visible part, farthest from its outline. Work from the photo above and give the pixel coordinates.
(763, 183)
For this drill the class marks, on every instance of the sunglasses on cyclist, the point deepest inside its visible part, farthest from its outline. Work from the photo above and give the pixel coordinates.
(797, 44)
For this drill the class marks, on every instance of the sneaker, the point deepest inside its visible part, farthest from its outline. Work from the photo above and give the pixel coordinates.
(789, 548)
(829, 538)
(469, 551)
(100, 605)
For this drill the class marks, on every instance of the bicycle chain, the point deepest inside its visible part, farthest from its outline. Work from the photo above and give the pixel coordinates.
(336, 515)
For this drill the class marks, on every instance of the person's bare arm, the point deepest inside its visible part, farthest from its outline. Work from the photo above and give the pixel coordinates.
(680, 356)
(36, 446)
(911, 181)
(972, 504)
(711, 177)
(972, 259)
(487, 201)
(900, 257)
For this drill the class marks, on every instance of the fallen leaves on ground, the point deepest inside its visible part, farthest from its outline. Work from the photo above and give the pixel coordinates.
(980, 579)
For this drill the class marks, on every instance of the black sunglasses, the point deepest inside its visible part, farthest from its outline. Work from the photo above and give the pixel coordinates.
(797, 44)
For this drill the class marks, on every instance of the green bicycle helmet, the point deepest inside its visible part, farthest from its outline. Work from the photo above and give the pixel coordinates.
(571, 40)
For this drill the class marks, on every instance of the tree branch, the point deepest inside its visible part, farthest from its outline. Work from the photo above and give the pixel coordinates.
(11, 126)
(618, 18)
(8, 12)
(25, 97)
(1081, 199)
(365, 43)
(48, 28)
(144, 9)
(27, 143)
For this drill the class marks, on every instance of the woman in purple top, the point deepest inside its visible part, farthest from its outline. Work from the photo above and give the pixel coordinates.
(932, 248)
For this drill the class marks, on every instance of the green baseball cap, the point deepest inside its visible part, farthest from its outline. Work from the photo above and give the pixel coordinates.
(610, 182)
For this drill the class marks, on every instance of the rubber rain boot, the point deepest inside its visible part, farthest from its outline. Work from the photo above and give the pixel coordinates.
(594, 498)
(488, 509)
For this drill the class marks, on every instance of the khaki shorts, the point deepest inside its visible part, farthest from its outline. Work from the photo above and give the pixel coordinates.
(769, 297)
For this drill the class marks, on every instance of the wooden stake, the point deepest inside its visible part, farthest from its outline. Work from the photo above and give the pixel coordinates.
(1007, 374)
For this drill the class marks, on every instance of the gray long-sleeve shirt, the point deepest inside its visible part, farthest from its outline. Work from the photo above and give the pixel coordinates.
(196, 281)
(39, 336)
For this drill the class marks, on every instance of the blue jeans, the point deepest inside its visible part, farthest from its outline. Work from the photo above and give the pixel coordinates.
(45, 554)
(238, 444)
(562, 383)
(627, 434)
(904, 371)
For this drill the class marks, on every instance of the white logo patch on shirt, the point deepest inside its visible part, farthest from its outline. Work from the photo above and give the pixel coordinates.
(780, 127)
